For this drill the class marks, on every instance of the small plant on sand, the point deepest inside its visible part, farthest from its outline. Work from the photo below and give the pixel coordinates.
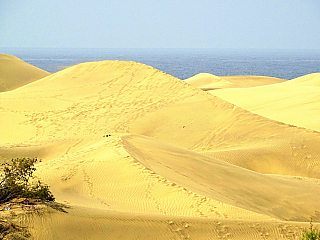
(311, 233)
(17, 182)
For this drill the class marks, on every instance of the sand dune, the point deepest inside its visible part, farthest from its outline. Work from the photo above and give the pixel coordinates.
(207, 81)
(15, 73)
(265, 194)
(136, 153)
(252, 81)
(103, 97)
(295, 102)
(91, 171)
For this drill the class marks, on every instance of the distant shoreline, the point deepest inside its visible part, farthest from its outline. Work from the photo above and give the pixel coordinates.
(181, 62)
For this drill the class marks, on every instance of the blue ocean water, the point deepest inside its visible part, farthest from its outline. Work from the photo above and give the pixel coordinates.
(183, 63)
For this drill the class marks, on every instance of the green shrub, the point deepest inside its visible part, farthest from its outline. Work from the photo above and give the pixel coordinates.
(18, 181)
(311, 233)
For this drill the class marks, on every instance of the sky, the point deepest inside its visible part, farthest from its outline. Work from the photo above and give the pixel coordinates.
(221, 24)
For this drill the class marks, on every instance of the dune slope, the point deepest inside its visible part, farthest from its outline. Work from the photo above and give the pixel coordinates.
(270, 195)
(295, 102)
(15, 73)
(81, 223)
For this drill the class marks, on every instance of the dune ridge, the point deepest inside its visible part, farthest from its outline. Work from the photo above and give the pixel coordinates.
(135, 148)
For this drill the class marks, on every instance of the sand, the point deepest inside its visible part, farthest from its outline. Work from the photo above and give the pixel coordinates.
(207, 81)
(138, 154)
(295, 102)
(15, 73)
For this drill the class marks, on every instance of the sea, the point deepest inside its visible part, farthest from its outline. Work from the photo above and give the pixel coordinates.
(182, 63)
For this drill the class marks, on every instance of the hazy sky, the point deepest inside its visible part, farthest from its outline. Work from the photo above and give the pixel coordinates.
(289, 24)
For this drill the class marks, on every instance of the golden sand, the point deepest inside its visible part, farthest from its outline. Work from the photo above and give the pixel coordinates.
(295, 102)
(15, 73)
(138, 154)
(207, 81)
